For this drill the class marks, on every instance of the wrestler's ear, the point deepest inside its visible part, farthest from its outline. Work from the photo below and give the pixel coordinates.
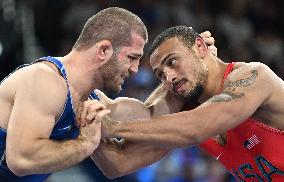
(104, 50)
(201, 47)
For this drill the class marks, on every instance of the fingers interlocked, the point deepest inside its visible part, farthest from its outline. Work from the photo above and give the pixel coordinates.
(90, 111)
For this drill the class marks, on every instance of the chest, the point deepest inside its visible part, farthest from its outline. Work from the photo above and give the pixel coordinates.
(253, 152)
(66, 126)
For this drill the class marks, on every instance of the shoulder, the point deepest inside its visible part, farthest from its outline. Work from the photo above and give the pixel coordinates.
(40, 76)
(251, 80)
(41, 84)
(251, 71)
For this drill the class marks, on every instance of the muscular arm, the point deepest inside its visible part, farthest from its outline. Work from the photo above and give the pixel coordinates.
(161, 102)
(36, 104)
(244, 92)
(114, 161)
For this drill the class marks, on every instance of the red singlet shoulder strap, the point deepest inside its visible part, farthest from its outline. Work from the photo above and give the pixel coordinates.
(227, 72)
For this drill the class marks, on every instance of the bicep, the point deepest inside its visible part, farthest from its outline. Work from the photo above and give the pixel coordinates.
(124, 108)
(162, 102)
(241, 97)
(28, 119)
(33, 113)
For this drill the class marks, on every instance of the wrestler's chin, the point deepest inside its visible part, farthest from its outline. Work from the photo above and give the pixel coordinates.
(118, 89)
(113, 89)
(185, 94)
(183, 90)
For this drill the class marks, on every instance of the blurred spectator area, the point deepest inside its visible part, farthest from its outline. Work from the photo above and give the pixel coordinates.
(244, 30)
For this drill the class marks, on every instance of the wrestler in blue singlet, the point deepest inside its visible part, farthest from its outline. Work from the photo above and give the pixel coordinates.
(64, 128)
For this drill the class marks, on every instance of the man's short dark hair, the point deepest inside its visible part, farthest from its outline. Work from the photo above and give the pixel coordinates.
(113, 24)
(185, 34)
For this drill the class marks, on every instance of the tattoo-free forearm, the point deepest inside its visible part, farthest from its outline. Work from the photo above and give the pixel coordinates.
(115, 162)
(165, 131)
(47, 156)
(180, 129)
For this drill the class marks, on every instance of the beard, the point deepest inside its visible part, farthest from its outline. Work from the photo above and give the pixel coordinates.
(194, 94)
(201, 80)
(109, 72)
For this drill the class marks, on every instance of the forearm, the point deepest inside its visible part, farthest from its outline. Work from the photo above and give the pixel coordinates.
(46, 156)
(180, 129)
(158, 131)
(116, 162)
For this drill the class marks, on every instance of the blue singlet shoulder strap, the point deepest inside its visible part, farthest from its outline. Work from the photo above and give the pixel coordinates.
(58, 64)
(94, 96)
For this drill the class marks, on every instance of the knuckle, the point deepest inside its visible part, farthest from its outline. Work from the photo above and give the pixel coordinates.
(89, 118)
(93, 107)
(85, 104)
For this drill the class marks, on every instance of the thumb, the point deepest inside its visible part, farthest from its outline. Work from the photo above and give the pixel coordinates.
(102, 114)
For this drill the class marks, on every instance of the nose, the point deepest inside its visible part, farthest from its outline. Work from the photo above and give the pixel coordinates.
(170, 75)
(134, 67)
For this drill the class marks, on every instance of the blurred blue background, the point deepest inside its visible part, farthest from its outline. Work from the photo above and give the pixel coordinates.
(244, 30)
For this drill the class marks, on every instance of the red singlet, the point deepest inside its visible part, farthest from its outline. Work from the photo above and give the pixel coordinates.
(253, 152)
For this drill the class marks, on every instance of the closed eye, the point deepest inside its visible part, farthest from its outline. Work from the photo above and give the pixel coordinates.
(132, 58)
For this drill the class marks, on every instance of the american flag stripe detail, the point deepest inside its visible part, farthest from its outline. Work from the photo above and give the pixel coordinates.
(252, 141)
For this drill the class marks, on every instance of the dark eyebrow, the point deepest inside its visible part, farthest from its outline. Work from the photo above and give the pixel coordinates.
(136, 54)
(163, 60)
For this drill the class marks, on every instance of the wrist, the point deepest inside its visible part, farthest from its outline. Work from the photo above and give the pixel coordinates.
(109, 128)
(87, 146)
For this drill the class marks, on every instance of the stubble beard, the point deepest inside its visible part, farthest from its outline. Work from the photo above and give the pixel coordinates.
(194, 93)
(201, 80)
(108, 73)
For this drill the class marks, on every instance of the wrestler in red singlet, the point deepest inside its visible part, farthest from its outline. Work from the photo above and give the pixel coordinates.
(253, 151)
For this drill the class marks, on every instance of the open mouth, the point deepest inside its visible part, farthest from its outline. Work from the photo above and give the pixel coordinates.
(178, 85)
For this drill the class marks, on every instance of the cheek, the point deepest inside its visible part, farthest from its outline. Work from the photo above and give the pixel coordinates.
(167, 85)
(201, 74)
(123, 64)
(186, 71)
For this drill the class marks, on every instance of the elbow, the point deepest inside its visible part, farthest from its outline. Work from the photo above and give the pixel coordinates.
(17, 166)
(114, 173)
(119, 169)
(111, 175)
(113, 170)
(205, 131)
(201, 135)
(190, 138)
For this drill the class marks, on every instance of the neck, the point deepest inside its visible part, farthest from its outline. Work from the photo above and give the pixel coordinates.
(216, 70)
(83, 75)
